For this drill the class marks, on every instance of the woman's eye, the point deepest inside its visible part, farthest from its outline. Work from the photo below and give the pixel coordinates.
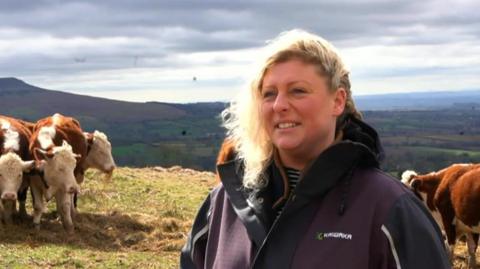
(268, 94)
(298, 90)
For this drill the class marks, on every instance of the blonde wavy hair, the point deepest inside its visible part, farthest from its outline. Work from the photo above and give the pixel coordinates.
(242, 118)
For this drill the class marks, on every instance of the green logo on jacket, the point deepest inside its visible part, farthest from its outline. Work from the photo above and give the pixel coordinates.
(333, 235)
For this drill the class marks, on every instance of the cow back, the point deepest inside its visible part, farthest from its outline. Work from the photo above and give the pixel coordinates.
(24, 137)
(66, 128)
(465, 196)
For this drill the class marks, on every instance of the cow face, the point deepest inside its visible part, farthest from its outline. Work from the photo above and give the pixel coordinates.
(416, 183)
(100, 154)
(58, 165)
(424, 187)
(11, 174)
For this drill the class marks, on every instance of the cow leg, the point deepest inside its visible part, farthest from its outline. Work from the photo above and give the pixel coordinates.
(8, 210)
(450, 228)
(472, 246)
(64, 207)
(450, 231)
(38, 204)
(73, 209)
(22, 198)
(79, 176)
(475, 238)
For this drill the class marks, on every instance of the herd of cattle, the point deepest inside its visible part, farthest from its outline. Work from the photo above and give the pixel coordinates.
(50, 157)
(452, 196)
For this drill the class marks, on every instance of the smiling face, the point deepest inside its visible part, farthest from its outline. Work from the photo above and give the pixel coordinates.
(298, 111)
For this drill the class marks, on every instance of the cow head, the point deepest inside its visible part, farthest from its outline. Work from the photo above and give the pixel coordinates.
(58, 165)
(424, 186)
(100, 154)
(11, 174)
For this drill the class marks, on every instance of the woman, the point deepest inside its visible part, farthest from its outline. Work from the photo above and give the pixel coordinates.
(304, 189)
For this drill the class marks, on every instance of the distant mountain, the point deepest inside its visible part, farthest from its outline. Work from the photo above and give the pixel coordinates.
(150, 133)
(29, 102)
(155, 133)
(23, 100)
(419, 100)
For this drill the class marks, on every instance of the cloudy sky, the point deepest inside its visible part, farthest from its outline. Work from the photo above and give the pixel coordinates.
(143, 50)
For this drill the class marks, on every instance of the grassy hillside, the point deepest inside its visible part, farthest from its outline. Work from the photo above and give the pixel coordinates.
(139, 219)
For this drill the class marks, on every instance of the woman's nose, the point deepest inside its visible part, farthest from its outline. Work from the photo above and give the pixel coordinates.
(281, 103)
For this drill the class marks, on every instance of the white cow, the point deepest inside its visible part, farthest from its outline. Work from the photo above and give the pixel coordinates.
(14, 156)
(57, 165)
(99, 154)
(11, 178)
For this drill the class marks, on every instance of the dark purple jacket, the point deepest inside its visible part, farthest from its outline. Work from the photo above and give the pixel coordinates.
(344, 213)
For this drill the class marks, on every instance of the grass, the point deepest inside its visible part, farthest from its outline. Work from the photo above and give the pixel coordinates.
(139, 219)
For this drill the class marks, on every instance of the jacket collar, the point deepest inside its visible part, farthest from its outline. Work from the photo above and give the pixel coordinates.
(246, 203)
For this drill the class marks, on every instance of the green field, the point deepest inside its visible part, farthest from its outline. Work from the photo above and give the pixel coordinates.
(187, 153)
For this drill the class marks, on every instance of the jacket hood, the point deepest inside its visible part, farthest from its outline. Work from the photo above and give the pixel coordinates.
(359, 147)
(357, 131)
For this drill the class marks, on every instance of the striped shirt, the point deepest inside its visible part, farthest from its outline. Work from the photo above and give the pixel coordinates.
(293, 176)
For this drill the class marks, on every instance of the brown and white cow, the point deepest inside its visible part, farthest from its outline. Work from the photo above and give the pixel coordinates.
(93, 149)
(98, 156)
(52, 131)
(58, 164)
(14, 161)
(56, 141)
(99, 153)
(453, 197)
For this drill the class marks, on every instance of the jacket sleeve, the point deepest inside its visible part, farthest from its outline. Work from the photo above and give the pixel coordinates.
(193, 252)
(415, 240)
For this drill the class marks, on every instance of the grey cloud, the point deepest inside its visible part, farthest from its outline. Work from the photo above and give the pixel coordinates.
(156, 29)
(334, 20)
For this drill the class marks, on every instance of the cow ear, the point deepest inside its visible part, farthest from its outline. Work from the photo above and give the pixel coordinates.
(89, 137)
(415, 183)
(44, 154)
(40, 165)
(28, 165)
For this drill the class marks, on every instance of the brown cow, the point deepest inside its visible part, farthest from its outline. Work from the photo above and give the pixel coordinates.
(14, 160)
(453, 197)
(93, 150)
(98, 156)
(56, 141)
(51, 131)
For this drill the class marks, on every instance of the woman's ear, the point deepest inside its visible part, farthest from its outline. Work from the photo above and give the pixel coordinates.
(339, 101)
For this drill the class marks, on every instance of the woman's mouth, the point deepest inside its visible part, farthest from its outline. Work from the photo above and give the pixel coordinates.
(286, 125)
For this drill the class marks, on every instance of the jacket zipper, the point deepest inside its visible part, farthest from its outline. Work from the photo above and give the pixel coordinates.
(291, 198)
